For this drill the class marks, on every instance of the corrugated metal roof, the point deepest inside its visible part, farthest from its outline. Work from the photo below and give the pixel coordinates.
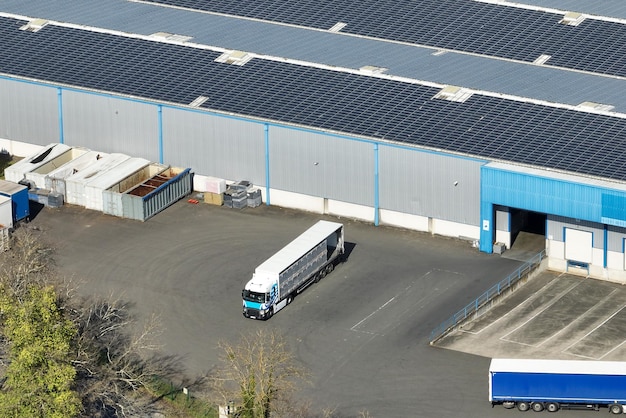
(460, 69)
(608, 8)
(336, 50)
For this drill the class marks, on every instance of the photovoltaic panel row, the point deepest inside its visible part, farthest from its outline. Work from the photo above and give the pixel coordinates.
(462, 25)
(493, 128)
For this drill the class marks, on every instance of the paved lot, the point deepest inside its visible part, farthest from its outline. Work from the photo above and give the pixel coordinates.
(553, 316)
(362, 331)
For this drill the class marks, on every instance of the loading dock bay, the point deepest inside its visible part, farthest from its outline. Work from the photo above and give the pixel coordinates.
(362, 331)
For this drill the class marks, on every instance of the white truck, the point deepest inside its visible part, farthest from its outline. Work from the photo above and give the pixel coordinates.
(305, 260)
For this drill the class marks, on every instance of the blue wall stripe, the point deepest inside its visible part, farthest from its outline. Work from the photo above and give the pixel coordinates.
(266, 129)
(60, 109)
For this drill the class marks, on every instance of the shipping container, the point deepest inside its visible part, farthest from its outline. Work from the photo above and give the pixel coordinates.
(19, 199)
(55, 180)
(95, 187)
(18, 171)
(112, 197)
(39, 174)
(6, 212)
(75, 184)
(157, 193)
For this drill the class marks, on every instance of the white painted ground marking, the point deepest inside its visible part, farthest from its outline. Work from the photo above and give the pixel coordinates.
(549, 305)
(607, 297)
(592, 331)
(368, 316)
(518, 307)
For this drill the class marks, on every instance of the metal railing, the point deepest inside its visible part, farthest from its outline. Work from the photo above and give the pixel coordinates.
(493, 292)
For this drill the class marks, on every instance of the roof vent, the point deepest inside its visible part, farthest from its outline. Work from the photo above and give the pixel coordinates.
(453, 94)
(595, 106)
(337, 27)
(234, 57)
(572, 19)
(198, 101)
(171, 37)
(541, 59)
(372, 69)
(34, 25)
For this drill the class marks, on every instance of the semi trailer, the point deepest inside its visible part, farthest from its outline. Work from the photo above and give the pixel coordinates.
(558, 384)
(305, 260)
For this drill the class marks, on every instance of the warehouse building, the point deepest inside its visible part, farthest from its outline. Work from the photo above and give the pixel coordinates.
(477, 119)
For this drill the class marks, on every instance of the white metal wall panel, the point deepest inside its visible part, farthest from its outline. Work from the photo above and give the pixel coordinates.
(28, 112)
(615, 238)
(214, 145)
(578, 245)
(321, 165)
(430, 184)
(111, 124)
(557, 224)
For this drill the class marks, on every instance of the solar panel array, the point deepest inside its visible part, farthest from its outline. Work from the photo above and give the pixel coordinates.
(462, 25)
(493, 128)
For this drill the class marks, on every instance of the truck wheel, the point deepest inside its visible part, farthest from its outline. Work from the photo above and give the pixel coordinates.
(537, 406)
(289, 299)
(616, 409)
(508, 404)
(322, 274)
(329, 268)
(552, 407)
(523, 406)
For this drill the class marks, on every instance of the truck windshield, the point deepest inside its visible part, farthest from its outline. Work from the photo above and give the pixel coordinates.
(253, 296)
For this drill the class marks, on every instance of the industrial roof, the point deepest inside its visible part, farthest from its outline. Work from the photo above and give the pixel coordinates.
(407, 103)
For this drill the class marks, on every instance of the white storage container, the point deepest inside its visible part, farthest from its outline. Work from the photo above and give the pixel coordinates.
(112, 197)
(75, 184)
(38, 175)
(6, 212)
(95, 187)
(55, 180)
(17, 171)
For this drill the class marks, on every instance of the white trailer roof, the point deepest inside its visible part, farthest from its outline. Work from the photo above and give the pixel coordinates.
(299, 246)
(558, 366)
(17, 171)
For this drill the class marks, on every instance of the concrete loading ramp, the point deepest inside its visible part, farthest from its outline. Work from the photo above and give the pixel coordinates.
(555, 316)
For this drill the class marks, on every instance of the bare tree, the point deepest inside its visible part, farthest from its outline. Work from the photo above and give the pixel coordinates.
(113, 365)
(259, 374)
(28, 262)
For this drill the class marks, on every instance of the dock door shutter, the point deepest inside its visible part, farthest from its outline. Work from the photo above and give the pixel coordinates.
(578, 245)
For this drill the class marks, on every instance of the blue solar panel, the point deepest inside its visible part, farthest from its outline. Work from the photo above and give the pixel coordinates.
(461, 25)
(483, 126)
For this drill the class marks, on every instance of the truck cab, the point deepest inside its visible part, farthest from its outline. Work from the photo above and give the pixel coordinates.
(258, 297)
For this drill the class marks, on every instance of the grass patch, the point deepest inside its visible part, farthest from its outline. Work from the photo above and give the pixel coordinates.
(5, 161)
(180, 404)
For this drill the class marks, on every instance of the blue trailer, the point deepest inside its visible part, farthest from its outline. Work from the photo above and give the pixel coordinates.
(19, 199)
(558, 384)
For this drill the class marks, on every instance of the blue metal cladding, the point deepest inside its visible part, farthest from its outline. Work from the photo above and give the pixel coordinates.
(558, 387)
(554, 196)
